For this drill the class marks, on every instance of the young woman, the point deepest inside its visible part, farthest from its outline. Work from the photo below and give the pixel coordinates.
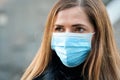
(78, 44)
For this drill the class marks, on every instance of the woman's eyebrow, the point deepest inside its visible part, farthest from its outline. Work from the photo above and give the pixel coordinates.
(58, 25)
(77, 25)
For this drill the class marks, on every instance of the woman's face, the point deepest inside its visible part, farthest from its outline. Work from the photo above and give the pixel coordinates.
(73, 20)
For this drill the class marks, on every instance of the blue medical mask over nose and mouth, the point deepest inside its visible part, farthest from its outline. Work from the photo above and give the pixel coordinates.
(71, 48)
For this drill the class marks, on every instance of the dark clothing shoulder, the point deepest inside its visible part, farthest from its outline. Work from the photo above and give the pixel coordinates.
(57, 71)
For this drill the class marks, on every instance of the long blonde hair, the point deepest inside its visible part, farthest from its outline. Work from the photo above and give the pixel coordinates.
(103, 63)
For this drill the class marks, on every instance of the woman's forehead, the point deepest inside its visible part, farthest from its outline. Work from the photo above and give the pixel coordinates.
(71, 13)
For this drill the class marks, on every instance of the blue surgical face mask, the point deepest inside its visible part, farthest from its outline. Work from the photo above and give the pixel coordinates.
(71, 48)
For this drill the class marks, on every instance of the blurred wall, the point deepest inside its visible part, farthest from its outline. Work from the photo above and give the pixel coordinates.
(116, 28)
(21, 28)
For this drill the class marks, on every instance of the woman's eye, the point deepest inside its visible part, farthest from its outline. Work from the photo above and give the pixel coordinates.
(59, 29)
(79, 30)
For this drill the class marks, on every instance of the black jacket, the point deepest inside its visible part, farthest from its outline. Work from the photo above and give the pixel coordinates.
(57, 71)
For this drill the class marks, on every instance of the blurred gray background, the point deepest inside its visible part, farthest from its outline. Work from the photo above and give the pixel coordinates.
(21, 28)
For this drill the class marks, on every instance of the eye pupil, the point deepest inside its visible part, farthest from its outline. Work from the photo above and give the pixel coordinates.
(81, 30)
(60, 30)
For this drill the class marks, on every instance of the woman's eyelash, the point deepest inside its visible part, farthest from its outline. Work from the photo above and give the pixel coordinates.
(80, 28)
(58, 28)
